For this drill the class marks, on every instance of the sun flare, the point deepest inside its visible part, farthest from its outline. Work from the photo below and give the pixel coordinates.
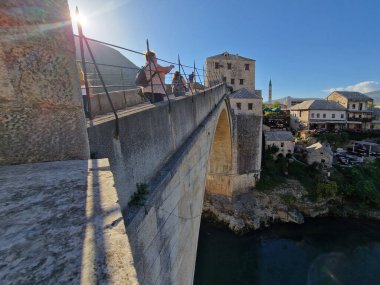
(79, 19)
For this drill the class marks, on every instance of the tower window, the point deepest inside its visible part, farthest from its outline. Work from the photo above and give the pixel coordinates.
(216, 65)
(241, 81)
(238, 106)
(250, 106)
(246, 66)
(228, 65)
(232, 80)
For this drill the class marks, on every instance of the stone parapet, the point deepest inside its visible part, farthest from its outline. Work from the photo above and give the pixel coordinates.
(120, 100)
(42, 117)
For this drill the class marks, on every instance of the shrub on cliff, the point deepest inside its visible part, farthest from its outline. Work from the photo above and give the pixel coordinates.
(360, 184)
(272, 174)
(288, 199)
(138, 198)
(327, 189)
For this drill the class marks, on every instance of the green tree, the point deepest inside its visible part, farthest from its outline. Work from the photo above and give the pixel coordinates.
(276, 104)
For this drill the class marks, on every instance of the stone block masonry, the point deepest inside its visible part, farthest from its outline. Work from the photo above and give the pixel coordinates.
(41, 113)
(149, 137)
(164, 233)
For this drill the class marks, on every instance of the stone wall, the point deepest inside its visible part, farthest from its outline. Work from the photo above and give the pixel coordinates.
(120, 100)
(257, 106)
(288, 147)
(249, 141)
(148, 138)
(164, 234)
(247, 152)
(41, 113)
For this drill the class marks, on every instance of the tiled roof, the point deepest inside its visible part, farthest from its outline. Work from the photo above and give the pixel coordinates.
(278, 136)
(318, 147)
(227, 55)
(353, 96)
(319, 104)
(243, 93)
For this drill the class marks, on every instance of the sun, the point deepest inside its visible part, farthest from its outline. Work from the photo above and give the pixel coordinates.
(79, 19)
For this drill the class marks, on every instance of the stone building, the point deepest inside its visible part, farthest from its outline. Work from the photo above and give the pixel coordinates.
(292, 101)
(244, 101)
(319, 153)
(235, 70)
(359, 108)
(247, 121)
(282, 139)
(375, 124)
(312, 114)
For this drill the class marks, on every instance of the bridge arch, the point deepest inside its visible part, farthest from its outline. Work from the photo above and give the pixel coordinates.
(220, 159)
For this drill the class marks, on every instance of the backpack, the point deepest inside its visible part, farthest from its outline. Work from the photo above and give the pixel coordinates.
(141, 79)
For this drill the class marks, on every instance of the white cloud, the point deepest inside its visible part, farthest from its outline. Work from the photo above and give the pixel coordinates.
(363, 87)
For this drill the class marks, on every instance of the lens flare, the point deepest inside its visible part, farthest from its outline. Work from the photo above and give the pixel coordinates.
(79, 19)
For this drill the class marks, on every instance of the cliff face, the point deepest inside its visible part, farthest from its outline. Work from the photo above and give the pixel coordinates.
(286, 203)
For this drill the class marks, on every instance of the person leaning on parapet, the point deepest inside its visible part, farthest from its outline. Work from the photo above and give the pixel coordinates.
(191, 81)
(157, 71)
(178, 84)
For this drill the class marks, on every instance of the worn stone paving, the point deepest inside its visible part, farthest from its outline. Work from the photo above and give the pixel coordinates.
(60, 223)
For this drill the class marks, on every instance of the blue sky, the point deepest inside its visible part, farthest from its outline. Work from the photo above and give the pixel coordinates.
(306, 47)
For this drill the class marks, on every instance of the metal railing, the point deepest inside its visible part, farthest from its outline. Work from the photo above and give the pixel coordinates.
(363, 120)
(107, 77)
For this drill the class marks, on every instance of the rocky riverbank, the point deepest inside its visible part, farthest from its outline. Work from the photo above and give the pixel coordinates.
(288, 202)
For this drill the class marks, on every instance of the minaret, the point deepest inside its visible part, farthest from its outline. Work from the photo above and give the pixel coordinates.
(270, 92)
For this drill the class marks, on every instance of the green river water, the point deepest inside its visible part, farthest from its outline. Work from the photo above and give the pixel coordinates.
(320, 251)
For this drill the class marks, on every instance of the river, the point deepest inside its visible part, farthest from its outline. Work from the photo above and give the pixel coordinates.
(320, 251)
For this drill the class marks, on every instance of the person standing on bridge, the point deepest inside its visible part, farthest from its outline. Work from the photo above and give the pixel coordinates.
(178, 84)
(191, 81)
(155, 74)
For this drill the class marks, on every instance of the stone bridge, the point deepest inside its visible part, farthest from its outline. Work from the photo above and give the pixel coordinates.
(182, 149)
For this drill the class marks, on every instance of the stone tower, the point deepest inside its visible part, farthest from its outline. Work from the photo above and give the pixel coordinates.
(270, 92)
(237, 71)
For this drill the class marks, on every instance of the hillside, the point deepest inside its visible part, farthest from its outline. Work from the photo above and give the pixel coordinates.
(375, 95)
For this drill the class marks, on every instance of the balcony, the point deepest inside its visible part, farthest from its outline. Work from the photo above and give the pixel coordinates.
(368, 110)
(363, 120)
